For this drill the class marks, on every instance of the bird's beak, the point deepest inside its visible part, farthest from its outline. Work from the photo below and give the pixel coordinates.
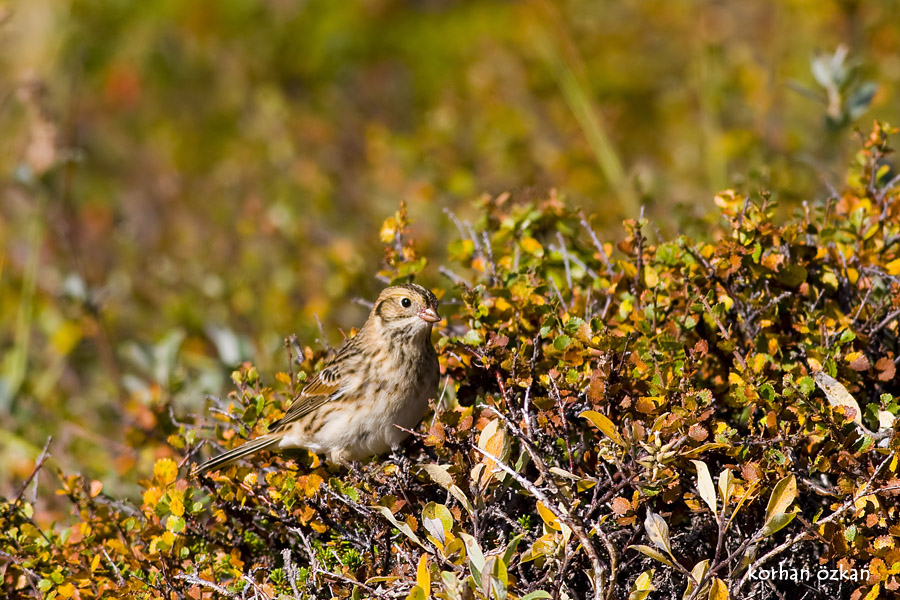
(429, 315)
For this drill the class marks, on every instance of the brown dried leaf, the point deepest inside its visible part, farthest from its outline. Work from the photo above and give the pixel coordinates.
(886, 369)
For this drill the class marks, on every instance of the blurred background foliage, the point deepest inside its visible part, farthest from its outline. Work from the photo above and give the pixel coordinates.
(186, 183)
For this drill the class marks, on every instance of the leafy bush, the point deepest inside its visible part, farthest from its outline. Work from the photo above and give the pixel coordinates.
(612, 420)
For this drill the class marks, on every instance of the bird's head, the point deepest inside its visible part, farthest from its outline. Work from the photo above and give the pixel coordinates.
(408, 307)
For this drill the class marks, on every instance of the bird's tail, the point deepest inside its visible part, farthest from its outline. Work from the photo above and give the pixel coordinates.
(226, 458)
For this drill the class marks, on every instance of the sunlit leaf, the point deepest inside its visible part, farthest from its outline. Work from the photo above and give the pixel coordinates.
(658, 531)
(783, 494)
(606, 426)
(404, 528)
(705, 485)
(642, 587)
(653, 553)
(838, 396)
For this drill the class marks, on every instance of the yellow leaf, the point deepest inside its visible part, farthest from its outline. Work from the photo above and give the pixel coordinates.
(718, 590)
(726, 300)
(698, 572)
(176, 506)
(152, 496)
(403, 527)
(651, 277)
(643, 585)
(311, 484)
(726, 485)
(423, 579)
(437, 521)
(782, 496)
(66, 337)
(440, 475)
(548, 517)
(759, 361)
(652, 553)
(165, 471)
(66, 590)
(893, 267)
(389, 230)
(606, 426)
(416, 593)
(532, 246)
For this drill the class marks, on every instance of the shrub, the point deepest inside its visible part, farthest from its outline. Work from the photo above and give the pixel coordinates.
(612, 421)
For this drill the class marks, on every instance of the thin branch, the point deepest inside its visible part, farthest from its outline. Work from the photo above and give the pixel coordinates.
(597, 245)
(804, 534)
(577, 529)
(565, 257)
(42, 458)
(195, 580)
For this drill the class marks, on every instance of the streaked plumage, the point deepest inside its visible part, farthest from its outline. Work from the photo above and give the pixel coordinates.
(380, 378)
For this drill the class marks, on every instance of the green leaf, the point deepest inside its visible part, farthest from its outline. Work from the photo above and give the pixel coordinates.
(643, 585)
(561, 342)
(473, 338)
(403, 527)
(652, 553)
(175, 524)
(777, 522)
(536, 595)
(437, 520)
(806, 385)
(511, 548)
(475, 555)
(417, 593)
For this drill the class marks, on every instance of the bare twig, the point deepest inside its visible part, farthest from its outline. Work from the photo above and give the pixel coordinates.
(290, 569)
(456, 279)
(885, 322)
(196, 580)
(115, 569)
(42, 458)
(865, 491)
(597, 245)
(576, 527)
(565, 257)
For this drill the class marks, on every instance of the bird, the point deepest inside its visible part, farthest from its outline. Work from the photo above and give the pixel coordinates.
(379, 379)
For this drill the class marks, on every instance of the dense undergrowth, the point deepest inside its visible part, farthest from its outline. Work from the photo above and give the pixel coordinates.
(612, 420)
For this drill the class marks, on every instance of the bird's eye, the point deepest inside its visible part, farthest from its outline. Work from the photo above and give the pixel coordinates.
(406, 303)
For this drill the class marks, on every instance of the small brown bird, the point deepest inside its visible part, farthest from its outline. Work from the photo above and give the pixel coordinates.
(380, 378)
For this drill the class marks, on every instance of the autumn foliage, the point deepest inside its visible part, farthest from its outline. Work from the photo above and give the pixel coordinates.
(613, 419)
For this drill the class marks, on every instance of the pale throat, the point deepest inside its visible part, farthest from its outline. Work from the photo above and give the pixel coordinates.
(412, 330)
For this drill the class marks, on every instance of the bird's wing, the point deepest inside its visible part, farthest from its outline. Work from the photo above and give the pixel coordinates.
(324, 387)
